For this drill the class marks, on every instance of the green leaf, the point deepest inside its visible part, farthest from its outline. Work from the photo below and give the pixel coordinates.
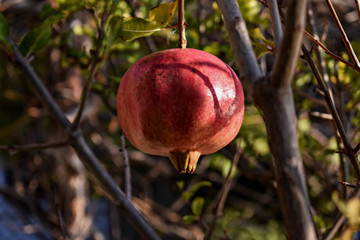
(40, 36)
(197, 206)
(190, 193)
(189, 219)
(115, 3)
(130, 28)
(260, 43)
(48, 12)
(113, 29)
(35, 39)
(163, 13)
(4, 29)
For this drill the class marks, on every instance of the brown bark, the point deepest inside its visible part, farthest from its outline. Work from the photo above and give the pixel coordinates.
(273, 95)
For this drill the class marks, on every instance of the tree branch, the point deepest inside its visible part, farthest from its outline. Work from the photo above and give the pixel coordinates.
(357, 6)
(93, 66)
(250, 71)
(276, 22)
(333, 55)
(77, 141)
(348, 150)
(127, 169)
(276, 101)
(218, 210)
(285, 60)
(35, 146)
(343, 34)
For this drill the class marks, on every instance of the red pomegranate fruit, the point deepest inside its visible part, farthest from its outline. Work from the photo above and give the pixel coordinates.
(180, 103)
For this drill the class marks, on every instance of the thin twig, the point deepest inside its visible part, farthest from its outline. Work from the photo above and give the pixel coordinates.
(343, 34)
(346, 184)
(218, 210)
(181, 24)
(93, 67)
(349, 151)
(327, 51)
(344, 164)
(357, 148)
(62, 225)
(276, 22)
(357, 6)
(35, 146)
(127, 169)
(312, 26)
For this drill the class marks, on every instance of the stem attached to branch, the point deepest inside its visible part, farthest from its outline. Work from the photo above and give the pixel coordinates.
(181, 24)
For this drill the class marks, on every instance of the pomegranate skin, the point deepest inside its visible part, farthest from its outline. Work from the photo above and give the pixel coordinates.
(180, 103)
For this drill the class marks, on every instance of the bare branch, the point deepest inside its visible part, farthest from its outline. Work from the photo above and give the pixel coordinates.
(349, 151)
(327, 51)
(313, 30)
(35, 146)
(93, 67)
(127, 169)
(218, 210)
(357, 6)
(250, 71)
(285, 60)
(346, 184)
(77, 141)
(343, 34)
(276, 22)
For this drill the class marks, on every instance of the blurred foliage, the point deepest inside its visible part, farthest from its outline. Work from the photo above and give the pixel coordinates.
(59, 41)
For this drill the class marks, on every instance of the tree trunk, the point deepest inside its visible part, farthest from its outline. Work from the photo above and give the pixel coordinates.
(280, 119)
(273, 95)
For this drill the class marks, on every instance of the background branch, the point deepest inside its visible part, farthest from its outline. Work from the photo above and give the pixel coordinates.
(93, 66)
(35, 146)
(218, 209)
(357, 6)
(127, 169)
(348, 150)
(333, 55)
(89, 159)
(343, 34)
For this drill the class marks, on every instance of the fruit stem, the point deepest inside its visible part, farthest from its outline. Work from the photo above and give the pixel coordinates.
(181, 24)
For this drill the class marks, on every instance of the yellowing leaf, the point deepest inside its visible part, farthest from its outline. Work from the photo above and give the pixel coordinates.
(353, 212)
(260, 43)
(130, 28)
(163, 13)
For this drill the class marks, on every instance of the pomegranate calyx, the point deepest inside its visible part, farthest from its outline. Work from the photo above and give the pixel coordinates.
(185, 161)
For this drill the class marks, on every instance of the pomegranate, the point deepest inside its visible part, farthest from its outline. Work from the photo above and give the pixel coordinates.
(180, 103)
